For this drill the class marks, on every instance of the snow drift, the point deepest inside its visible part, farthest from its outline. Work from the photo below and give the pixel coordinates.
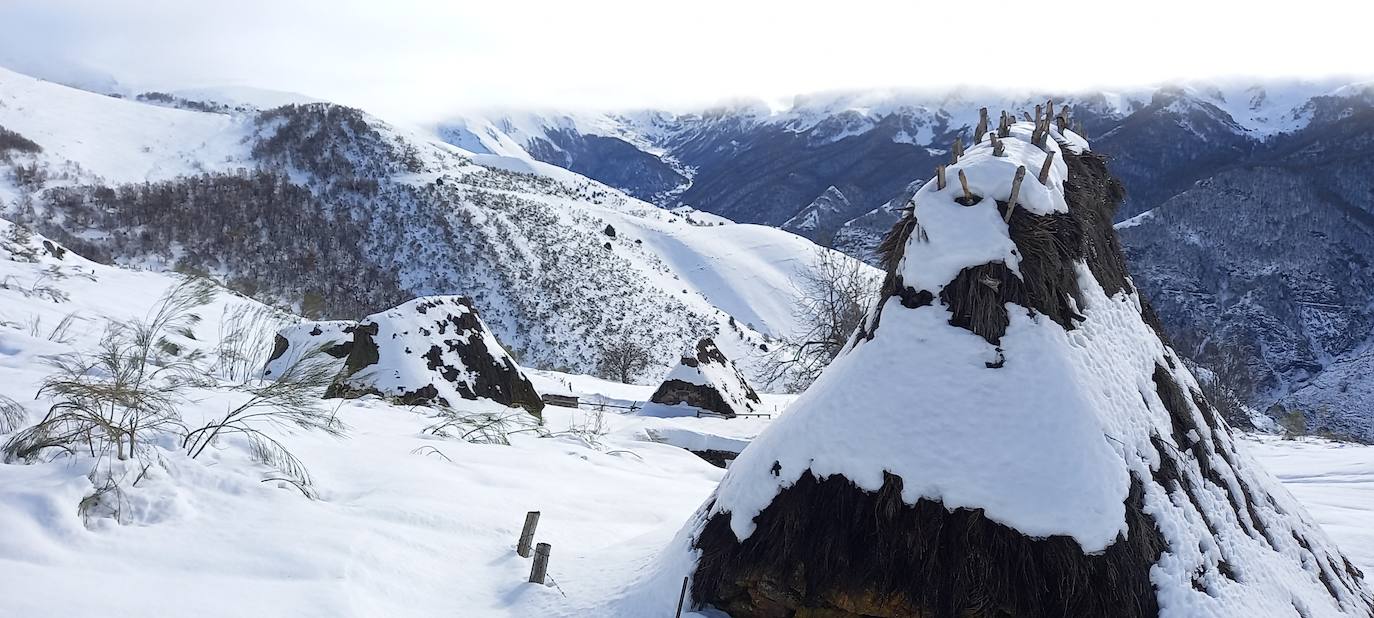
(1009, 434)
(705, 381)
(432, 351)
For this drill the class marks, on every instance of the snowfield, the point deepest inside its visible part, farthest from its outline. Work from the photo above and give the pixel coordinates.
(405, 523)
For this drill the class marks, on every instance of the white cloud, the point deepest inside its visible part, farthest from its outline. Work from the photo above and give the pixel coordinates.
(423, 58)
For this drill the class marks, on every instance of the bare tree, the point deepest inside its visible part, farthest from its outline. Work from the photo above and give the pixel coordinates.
(833, 297)
(622, 358)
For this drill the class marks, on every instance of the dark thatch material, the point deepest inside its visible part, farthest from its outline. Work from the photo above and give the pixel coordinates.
(829, 548)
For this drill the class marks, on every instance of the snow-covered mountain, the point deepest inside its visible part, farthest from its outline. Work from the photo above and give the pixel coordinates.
(333, 213)
(755, 163)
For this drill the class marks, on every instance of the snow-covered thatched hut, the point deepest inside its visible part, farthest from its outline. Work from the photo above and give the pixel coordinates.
(328, 341)
(1010, 434)
(432, 350)
(705, 381)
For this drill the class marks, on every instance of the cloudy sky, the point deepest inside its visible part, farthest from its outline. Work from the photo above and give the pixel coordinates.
(420, 59)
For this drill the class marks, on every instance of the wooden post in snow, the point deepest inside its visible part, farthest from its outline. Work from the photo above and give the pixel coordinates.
(1015, 189)
(1045, 169)
(940, 177)
(958, 148)
(540, 569)
(998, 148)
(982, 125)
(527, 534)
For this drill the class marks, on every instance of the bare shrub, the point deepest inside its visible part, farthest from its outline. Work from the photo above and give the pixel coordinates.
(246, 334)
(106, 403)
(484, 427)
(290, 400)
(833, 297)
(12, 415)
(622, 358)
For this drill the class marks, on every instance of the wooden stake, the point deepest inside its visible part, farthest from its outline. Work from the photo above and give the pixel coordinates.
(1038, 110)
(681, 596)
(540, 569)
(982, 125)
(1015, 189)
(940, 177)
(1026, 116)
(527, 534)
(1045, 169)
(1049, 112)
(958, 148)
(968, 195)
(998, 148)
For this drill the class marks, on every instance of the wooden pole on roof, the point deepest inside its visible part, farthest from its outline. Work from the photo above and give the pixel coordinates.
(1015, 190)
(1045, 169)
(968, 195)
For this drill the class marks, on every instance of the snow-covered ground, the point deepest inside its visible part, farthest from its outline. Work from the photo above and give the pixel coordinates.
(405, 523)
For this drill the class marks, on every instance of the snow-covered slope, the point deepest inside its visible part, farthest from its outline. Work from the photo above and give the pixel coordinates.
(406, 523)
(379, 214)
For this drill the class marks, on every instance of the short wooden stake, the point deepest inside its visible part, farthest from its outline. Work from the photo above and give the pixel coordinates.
(1015, 189)
(527, 534)
(982, 125)
(958, 148)
(998, 148)
(1045, 169)
(1049, 112)
(1026, 115)
(940, 177)
(681, 597)
(540, 569)
(968, 195)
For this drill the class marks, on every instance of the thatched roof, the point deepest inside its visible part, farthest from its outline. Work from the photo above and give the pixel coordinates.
(1009, 434)
(328, 341)
(704, 381)
(433, 350)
